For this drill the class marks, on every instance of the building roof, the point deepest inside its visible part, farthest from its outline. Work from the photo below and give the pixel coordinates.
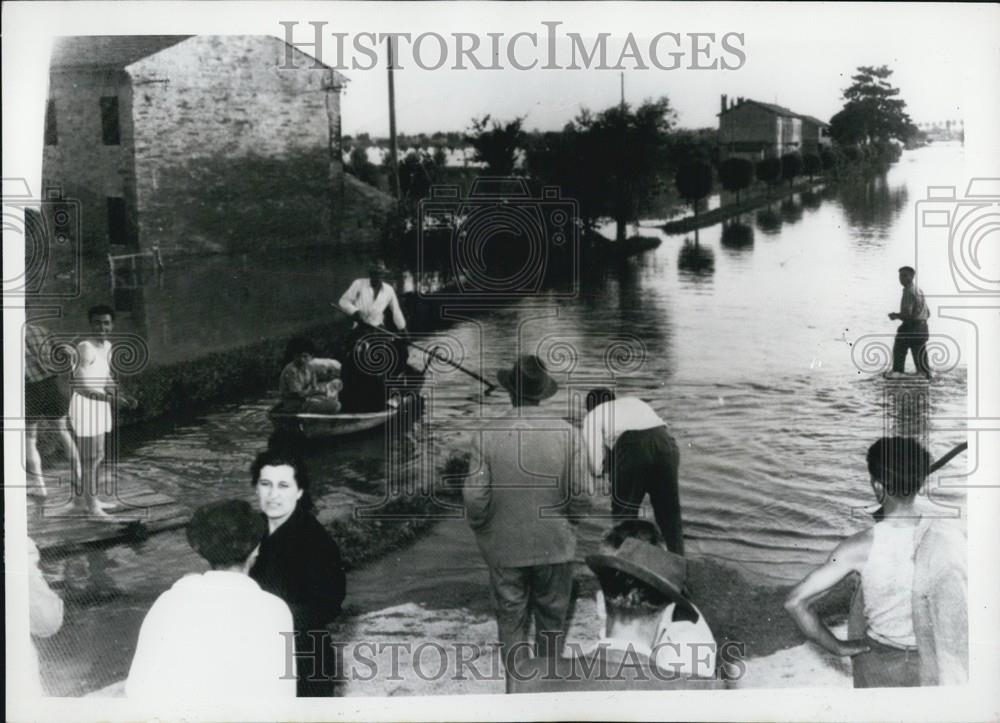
(108, 51)
(119, 51)
(776, 109)
(812, 119)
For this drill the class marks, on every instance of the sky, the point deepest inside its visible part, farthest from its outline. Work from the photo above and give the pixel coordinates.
(798, 55)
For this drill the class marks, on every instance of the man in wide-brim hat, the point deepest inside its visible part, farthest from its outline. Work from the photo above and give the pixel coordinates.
(522, 498)
(654, 637)
(528, 380)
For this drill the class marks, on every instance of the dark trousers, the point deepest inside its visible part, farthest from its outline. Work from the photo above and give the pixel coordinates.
(646, 462)
(886, 667)
(542, 592)
(369, 360)
(911, 336)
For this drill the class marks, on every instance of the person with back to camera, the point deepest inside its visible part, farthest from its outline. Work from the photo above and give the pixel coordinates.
(653, 636)
(299, 562)
(215, 635)
(913, 583)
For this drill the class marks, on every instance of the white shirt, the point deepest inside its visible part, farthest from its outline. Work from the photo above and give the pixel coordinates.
(360, 296)
(685, 648)
(607, 422)
(214, 636)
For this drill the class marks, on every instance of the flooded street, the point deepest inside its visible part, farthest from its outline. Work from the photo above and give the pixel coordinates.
(742, 342)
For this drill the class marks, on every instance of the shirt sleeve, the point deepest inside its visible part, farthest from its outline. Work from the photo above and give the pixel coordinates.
(284, 682)
(143, 675)
(477, 491)
(579, 479)
(593, 439)
(290, 386)
(323, 586)
(397, 313)
(349, 301)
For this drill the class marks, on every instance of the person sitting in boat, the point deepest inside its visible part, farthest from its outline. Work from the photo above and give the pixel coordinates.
(298, 387)
(367, 301)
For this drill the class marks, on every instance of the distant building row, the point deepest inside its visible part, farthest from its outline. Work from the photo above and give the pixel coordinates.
(755, 130)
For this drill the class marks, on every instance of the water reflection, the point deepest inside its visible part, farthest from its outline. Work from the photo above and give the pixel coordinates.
(737, 235)
(791, 212)
(696, 262)
(811, 200)
(871, 206)
(768, 221)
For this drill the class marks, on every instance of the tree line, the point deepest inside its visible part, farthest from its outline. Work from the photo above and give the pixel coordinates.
(615, 162)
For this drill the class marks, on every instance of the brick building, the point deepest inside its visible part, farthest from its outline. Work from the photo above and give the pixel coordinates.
(755, 130)
(200, 144)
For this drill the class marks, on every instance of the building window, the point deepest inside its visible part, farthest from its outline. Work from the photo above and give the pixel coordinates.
(51, 132)
(110, 128)
(118, 228)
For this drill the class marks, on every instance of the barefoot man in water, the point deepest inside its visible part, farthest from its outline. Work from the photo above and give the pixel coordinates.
(94, 390)
(912, 333)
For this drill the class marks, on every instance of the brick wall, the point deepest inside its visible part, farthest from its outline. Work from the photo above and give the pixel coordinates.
(80, 163)
(231, 153)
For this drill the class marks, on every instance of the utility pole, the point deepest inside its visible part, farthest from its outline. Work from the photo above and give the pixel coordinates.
(623, 89)
(393, 160)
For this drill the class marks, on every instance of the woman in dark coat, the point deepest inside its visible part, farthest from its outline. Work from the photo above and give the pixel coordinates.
(299, 562)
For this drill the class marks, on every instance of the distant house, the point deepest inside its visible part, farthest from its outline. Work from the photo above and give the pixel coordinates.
(756, 130)
(815, 134)
(198, 144)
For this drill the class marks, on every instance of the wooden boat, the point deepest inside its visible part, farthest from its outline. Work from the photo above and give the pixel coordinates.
(314, 425)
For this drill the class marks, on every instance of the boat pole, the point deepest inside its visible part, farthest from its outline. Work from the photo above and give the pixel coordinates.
(879, 514)
(429, 352)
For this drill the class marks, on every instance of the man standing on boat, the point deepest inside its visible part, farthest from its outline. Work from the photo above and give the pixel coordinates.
(912, 333)
(366, 301)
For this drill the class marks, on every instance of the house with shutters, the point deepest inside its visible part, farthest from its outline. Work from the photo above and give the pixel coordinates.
(200, 144)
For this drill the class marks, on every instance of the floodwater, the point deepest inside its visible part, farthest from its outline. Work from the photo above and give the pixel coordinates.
(742, 341)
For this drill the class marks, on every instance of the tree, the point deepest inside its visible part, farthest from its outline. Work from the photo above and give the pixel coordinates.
(694, 182)
(611, 162)
(360, 167)
(811, 164)
(828, 158)
(872, 111)
(736, 174)
(791, 166)
(497, 144)
(768, 170)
